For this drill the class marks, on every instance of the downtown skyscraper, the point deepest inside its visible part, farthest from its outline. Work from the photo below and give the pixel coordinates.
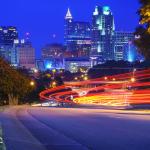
(77, 36)
(103, 31)
(98, 39)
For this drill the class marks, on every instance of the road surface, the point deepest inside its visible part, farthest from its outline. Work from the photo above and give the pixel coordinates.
(29, 128)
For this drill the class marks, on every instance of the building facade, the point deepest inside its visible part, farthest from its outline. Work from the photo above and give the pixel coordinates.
(8, 49)
(122, 45)
(53, 51)
(52, 55)
(8, 34)
(77, 36)
(103, 30)
(75, 64)
(26, 54)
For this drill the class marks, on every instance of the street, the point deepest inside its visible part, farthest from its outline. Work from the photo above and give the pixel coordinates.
(37, 128)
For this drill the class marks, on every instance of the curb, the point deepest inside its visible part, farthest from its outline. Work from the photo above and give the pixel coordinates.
(2, 145)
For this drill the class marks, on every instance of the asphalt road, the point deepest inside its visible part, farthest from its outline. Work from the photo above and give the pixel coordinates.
(28, 128)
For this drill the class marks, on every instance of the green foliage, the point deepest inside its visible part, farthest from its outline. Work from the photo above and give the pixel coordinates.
(142, 32)
(13, 84)
(143, 42)
(144, 13)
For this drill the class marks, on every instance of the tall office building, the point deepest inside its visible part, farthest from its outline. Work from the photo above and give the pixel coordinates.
(103, 30)
(26, 54)
(77, 36)
(68, 26)
(7, 35)
(8, 38)
(122, 46)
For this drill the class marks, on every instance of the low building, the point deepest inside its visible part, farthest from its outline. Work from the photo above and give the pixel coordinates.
(49, 64)
(75, 64)
(53, 51)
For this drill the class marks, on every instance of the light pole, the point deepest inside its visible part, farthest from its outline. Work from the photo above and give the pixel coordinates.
(54, 84)
(32, 83)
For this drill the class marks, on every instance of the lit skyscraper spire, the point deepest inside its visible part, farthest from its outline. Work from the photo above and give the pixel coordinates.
(96, 12)
(68, 15)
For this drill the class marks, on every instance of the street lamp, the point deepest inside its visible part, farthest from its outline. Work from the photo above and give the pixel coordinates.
(76, 78)
(82, 75)
(105, 78)
(85, 78)
(32, 83)
(48, 75)
(133, 79)
(114, 79)
(54, 84)
(35, 70)
(54, 70)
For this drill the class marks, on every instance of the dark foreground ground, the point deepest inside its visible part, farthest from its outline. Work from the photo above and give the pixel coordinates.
(28, 128)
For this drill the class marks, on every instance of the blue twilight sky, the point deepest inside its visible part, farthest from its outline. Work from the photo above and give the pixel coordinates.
(43, 18)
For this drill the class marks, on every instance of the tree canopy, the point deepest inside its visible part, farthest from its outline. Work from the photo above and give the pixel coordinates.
(13, 84)
(142, 32)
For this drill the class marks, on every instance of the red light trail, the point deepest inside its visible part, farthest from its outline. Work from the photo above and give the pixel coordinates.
(117, 90)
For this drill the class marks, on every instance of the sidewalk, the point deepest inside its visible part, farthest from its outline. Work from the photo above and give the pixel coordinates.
(2, 145)
(16, 136)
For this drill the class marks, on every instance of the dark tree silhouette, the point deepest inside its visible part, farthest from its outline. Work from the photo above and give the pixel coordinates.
(13, 85)
(142, 32)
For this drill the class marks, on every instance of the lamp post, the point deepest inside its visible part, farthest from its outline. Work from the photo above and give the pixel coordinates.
(54, 84)
(133, 79)
(85, 78)
(32, 83)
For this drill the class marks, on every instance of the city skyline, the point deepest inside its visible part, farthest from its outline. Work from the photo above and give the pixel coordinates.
(75, 75)
(42, 28)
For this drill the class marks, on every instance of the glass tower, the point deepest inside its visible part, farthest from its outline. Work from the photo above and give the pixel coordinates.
(77, 36)
(103, 29)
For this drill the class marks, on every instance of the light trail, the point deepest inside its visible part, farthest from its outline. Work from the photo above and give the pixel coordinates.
(115, 90)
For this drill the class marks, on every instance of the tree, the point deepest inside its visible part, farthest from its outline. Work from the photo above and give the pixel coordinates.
(13, 84)
(59, 81)
(142, 32)
(144, 12)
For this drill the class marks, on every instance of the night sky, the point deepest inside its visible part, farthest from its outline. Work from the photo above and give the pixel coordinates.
(43, 18)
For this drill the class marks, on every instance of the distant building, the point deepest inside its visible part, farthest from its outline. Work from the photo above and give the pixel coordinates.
(15, 54)
(103, 30)
(131, 53)
(69, 54)
(49, 64)
(40, 64)
(8, 50)
(52, 55)
(77, 36)
(7, 35)
(75, 64)
(122, 45)
(26, 54)
(53, 51)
